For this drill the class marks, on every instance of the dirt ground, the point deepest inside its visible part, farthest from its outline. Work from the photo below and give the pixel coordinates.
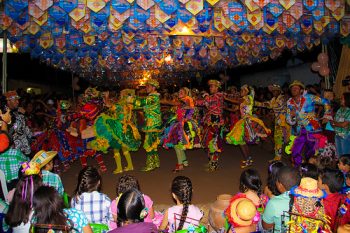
(156, 184)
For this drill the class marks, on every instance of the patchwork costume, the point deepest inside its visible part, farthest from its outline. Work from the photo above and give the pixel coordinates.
(213, 123)
(282, 129)
(248, 129)
(118, 131)
(182, 131)
(153, 126)
(306, 127)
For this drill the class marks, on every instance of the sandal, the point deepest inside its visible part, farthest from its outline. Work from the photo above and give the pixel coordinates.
(178, 167)
(185, 163)
(246, 163)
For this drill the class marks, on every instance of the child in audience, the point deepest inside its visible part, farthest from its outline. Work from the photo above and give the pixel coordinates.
(125, 183)
(344, 164)
(49, 178)
(308, 170)
(332, 181)
(20, 210)
(131, 213)
(271, 189)
(183, 214)
(88, 198)
(277, 206)
(49, 210)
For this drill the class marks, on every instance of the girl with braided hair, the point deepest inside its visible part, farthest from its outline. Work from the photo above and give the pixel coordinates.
(89, 199)
(183, 215)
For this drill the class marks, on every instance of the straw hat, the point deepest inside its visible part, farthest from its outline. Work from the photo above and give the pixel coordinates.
(4, 141)
(214, 83)
(297, 83)
(153, 82)
(11, 95)
(308, 188)
(43, 157)
(274, 87)
(241, 211)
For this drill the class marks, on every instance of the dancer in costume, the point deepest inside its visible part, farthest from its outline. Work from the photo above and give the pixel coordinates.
(248, 129)
(306, 127)
(213, 123)
(278, 104)
(117, 130)
(182, 132)
(153, 124)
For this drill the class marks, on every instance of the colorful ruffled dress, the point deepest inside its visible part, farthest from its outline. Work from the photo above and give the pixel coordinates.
(118, 131)
(181, 129)
(248, 129)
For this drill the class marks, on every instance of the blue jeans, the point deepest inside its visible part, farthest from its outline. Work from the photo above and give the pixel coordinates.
(342, 145)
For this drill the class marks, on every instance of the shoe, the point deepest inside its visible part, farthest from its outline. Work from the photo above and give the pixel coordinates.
(178, 167)
(103, 168)
(185, 163)
(246, 163)
(117, 171)
(213, 166)
(276, 158)
(126, 169)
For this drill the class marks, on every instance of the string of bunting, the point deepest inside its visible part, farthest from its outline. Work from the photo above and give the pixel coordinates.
(99, 37)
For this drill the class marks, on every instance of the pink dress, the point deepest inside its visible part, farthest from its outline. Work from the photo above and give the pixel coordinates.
(148, 203)
(193, 218)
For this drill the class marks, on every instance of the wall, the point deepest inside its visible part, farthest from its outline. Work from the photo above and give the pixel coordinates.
(280, 76)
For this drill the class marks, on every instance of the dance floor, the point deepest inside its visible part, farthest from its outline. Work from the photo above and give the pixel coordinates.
(156, 184)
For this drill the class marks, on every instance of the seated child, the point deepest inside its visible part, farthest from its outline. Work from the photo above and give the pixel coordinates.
(183, 214)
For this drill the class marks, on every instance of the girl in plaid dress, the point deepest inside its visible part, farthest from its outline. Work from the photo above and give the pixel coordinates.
(248, 129)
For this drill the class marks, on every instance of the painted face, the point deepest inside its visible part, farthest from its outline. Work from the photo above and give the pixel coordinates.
(213, 89)
(295, 91)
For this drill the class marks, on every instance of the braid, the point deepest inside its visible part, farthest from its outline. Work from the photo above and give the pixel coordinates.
(89, 180)
(182, 188)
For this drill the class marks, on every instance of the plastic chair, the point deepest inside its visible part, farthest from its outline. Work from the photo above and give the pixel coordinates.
(66, 200)
(98, 228)
(4, 189)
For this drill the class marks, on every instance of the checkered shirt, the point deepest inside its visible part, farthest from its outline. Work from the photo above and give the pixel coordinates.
(10, 163)
(95, 205)
(52, 180)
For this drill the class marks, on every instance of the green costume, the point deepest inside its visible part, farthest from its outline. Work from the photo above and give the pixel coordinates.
(152, 129)
(119, 132)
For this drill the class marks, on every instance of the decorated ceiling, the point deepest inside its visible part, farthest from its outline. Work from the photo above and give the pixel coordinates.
(133, 38)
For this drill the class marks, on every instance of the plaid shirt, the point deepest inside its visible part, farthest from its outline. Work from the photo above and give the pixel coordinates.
(52, 180)
(10, 163)
(95, 205)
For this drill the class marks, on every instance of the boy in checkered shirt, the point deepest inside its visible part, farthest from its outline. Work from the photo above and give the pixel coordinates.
(51, 179)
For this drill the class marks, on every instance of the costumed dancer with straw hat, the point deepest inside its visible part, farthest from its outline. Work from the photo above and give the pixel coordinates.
(153, 127)
(181, 132)
(118, 131)
(248, 129)
(301, 114)
(213, 122)
(282, 130)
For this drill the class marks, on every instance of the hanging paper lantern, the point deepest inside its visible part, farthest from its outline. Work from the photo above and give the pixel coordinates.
(324, 71)
(322, 58)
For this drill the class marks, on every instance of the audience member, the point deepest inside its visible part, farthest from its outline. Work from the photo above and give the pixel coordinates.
(342, 126)
(183, 214)
(278, 206)
(49, 213)
(271, 188)
(131, 213)
(88, 198)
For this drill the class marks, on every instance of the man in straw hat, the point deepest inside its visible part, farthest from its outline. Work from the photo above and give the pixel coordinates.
(282, 130)
(213, 122)
(153, 127)
(302, 116)
(18, 130)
